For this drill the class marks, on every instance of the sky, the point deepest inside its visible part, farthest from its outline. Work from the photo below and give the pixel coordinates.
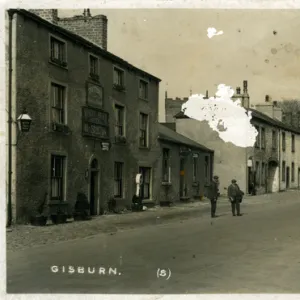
(260, 46)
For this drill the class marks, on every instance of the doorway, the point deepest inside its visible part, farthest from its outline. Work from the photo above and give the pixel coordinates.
(287, 177)
(299, 178)
(94, 187)
(182, 191)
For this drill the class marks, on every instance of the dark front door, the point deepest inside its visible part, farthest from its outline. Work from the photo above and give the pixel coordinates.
(181, 180)
(287, 177)
(93, 193)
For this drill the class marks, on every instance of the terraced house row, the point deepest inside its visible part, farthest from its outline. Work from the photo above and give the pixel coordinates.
(94, 121)
(271, 165)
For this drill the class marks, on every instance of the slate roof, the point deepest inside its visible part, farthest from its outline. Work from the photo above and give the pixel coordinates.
(169, 135)
(82, 41)
(258, 116)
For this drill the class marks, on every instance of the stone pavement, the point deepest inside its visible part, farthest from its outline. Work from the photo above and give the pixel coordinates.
(25, 236)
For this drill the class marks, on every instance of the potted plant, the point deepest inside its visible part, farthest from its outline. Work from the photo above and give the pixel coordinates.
(58, 212)
(40, 219)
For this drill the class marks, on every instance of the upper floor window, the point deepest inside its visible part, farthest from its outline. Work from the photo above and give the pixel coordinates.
(120, 122)
(58, 51)
(143, 89)
(143, 130)
(274, 139)
(283, 141)
(263, 138)
(58, 93)
(166, 165)
(94, 66)
(293, 171)
(293, 143)
(257, 141)
(119, 78)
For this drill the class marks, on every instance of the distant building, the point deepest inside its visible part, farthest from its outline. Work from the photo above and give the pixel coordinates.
(186, 166)
(273, 164)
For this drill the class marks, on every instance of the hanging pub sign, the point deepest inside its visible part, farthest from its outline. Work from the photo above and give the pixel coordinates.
(94, 95)
(95, 123)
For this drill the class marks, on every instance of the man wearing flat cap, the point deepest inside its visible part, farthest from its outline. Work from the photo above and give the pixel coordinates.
(212, 194)
(235, 196)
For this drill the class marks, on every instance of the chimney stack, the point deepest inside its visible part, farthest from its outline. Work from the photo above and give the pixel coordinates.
(92, 28)
(50, 15)
(245, 86)
(238, 90)
(267, 98)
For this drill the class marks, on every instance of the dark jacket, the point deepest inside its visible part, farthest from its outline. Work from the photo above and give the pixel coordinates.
(212, 190)
(234, 192)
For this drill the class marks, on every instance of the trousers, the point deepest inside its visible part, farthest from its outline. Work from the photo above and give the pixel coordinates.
(213, 203)
(235, 206)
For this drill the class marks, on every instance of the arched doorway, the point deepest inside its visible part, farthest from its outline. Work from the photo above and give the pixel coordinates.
(94, 187)
(272, 176)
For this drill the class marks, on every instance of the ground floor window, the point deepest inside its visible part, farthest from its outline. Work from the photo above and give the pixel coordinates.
(145, 187)
(57, 177)
(293, 172)
(283, 171)
(263, 174)
(118, 184)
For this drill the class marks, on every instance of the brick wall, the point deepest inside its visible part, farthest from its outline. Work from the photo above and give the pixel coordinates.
(93, 28)
(34, 149)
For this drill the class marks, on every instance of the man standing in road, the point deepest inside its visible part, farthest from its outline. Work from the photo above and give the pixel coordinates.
(235, 196)
(212, 195)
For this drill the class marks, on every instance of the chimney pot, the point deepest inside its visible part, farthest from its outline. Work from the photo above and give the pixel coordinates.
(245, 83)
(267, 98)
(238, 90)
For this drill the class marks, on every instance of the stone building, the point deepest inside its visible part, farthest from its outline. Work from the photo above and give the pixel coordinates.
(94, 115)
(186, 166)
(273, 164)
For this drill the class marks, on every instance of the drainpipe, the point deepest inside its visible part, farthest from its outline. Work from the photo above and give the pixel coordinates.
(279, 158)
(10, 70)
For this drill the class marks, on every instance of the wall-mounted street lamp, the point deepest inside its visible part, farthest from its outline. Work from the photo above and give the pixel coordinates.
(24, 122)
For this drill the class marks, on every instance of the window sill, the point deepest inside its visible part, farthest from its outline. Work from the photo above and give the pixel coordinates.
(94, 78)
(144, 99)
(119, 88)
(58, 64)
(165, 183)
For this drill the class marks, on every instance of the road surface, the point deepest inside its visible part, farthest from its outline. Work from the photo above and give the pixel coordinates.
(256, 253)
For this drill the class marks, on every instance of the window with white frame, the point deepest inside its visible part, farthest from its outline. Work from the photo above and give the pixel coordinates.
(57, 177)
(118, 175)
(143, 130)
(57, 50)
(120, 120)
(143, 89)
(145, 187)
(119, 77)
(58, 93)
(166, 165)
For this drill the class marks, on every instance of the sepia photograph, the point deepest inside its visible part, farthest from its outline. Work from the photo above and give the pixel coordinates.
(152, 151)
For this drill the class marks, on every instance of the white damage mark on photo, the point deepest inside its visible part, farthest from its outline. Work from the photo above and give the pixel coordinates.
(213, 31)
(225, 116)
